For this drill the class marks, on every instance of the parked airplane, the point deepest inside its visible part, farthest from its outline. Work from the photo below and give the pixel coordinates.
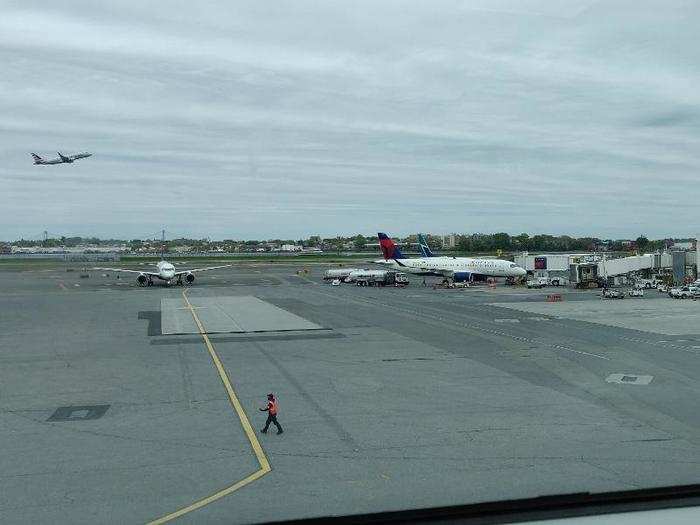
(165, 271)
(424, 248)
(458, 269)
(62, 159)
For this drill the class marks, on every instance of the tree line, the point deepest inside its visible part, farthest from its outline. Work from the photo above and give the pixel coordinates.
(466, 243)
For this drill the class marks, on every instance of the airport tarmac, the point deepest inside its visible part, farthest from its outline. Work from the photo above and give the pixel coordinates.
(390, 398)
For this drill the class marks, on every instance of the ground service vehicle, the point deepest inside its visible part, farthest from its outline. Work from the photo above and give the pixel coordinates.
(338, 273)
(684, 292)
(378, 278)
(539, 282)
(612, 294)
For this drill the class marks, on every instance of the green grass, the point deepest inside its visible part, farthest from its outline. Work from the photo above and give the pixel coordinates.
(14, 264)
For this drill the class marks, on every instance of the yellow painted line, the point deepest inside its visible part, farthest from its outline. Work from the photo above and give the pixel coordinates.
(245, 423)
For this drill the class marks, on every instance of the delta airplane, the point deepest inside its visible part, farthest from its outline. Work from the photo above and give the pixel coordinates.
(62, 159)
(458, 269)
(165, 271)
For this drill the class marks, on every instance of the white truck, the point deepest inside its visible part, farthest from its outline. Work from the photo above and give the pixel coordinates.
(558, 281)
(338, 273)
(646, 284)
(537, 282)
(685, 292)
(377, 278)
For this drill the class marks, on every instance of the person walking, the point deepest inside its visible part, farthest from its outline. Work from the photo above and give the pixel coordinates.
(271, 410)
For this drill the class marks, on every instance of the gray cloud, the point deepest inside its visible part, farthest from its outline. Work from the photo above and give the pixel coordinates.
(251, 119)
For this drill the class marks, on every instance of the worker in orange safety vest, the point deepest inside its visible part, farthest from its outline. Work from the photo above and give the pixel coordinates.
(271, 410)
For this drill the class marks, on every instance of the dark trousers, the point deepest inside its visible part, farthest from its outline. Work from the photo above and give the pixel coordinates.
(272, 419)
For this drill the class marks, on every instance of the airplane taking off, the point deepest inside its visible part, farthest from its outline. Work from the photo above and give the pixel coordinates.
(165, 271)
(458, 269)
(62, 159)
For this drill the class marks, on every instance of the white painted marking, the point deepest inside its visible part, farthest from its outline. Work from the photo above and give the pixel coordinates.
(629, 379)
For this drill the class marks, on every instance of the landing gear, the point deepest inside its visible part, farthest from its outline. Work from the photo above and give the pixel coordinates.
(179, 280)
(150, 282)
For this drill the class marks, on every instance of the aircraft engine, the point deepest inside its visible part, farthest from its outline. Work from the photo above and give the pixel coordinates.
(189, 278)
(460, 277)
(142, 280)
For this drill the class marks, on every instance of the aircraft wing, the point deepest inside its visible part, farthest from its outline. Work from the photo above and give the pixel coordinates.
(154, 274)
(193, 270)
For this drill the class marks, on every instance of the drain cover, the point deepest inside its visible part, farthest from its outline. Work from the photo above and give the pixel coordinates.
(629, 379)
(78, 413)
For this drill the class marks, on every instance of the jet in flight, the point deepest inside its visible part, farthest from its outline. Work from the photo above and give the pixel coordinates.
(458, 269)
(62, 159)
(165, 271)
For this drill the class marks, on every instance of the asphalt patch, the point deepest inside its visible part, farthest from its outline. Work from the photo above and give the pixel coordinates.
(153, 318)
(78, 413)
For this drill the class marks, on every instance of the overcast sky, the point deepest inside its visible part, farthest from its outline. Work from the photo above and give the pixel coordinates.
(269, 119)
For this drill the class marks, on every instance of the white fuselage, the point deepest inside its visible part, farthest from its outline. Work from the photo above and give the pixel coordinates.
(166, 271)
(447, 265)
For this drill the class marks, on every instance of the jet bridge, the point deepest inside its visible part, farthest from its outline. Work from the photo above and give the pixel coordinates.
(624, 265)
(584, 273)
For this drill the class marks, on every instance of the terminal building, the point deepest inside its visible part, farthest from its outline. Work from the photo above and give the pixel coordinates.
(579, 268)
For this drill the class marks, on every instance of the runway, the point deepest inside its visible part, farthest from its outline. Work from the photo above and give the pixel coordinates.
(405, 398)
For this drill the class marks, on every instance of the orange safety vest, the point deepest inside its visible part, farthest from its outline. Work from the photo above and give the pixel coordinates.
(272, 406)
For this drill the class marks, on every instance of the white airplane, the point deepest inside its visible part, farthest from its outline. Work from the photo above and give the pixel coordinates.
(62, 159)
(459, 269)
(165, 272)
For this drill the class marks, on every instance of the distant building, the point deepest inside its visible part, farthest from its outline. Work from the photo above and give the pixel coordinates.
(290, 248)
(449, 242)
(690, 245)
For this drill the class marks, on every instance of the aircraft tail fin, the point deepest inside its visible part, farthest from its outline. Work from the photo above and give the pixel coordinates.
(424, 248)
(36, 158)
(389, 248)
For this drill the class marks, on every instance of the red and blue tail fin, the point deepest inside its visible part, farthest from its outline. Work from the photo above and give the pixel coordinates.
(389, 248)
